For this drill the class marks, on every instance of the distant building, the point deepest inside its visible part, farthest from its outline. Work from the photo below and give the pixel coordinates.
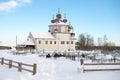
(4, 45)
(60, 36)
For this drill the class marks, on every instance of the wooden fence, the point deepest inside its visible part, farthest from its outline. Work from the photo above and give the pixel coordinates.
(11, 63)
(97, 64)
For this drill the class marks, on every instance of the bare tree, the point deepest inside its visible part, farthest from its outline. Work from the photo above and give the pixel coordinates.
(86, 42)
(105, 40)
(99, 41)
(108, 45)
(82, 41)
(105, 43)
(111, 46)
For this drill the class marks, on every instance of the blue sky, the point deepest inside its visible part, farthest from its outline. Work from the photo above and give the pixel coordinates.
(95, 17)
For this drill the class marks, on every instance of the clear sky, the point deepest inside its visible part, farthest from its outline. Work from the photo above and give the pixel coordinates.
(95, 17)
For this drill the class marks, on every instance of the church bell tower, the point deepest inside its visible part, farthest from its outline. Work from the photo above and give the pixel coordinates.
(59, 25)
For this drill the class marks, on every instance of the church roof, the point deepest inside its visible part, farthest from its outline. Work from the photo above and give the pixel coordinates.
(59, 23)
(4, 44)
(42, 35)
(26, 43)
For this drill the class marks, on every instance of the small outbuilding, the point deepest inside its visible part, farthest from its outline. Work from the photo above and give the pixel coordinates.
(26, 46)
(4, 45)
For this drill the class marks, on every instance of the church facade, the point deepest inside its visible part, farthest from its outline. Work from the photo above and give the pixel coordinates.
(60, 36)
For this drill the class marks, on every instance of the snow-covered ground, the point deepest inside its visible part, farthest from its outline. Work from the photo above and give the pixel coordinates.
(51, 69)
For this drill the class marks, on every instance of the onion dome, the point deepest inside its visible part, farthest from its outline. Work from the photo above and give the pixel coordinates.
(68, 30)
(64, 20)
(48, 30)
(69, 27)
(72, 34)
(56, 20)
(58, 16)
(53, 21)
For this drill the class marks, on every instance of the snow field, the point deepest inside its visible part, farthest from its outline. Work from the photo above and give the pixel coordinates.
(51, 69)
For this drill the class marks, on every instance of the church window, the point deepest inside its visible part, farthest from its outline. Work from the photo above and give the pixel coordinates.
(67, 42)
(39, 42)
(62, 42)
(71, 42)
(56, 29)
(54, 42)
(46, 42)
(50, 42)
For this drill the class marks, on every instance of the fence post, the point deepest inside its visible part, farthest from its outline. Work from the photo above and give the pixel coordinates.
(2, 61)
(10, 63)
(81, 62)
(78, 56)
(114, 59)
(34, 68)
(19, 67)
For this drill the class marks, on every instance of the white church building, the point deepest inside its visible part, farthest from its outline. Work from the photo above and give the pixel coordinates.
(60, 36)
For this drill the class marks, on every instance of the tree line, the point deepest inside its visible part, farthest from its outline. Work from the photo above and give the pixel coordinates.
(86, 42)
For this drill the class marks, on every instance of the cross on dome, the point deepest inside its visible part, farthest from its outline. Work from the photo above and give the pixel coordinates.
(58, 18)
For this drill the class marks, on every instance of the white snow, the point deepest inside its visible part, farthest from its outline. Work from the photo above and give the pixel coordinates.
(26, 43)
(5, 43)
(109, 56)
(59, 23)
(42, 35)
(51, 69)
